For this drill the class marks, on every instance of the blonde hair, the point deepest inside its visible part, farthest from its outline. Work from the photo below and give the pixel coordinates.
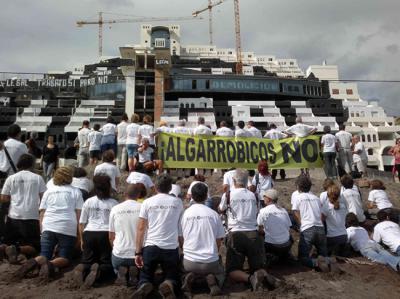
(62, 176)
(333, 195)
(135, 118)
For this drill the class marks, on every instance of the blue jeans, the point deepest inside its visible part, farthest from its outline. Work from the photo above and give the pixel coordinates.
(108, 143)
(132, 150)
(398, 251)
(118, 262)
(376, 253)
(312, 236)
(48, 169)
(168, 259)
(49, 240)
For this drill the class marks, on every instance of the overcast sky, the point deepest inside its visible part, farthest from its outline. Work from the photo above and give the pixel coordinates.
(361, 36)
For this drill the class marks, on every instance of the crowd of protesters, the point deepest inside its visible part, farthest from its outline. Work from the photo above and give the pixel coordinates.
(124, 236)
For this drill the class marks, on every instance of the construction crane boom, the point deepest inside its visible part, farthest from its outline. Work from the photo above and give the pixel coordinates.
(100, 22)
(210, 17)
(238, 43)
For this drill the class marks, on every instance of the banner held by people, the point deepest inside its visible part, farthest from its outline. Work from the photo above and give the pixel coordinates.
(183, 151)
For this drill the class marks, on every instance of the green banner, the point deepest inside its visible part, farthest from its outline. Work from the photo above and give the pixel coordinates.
(209, 152)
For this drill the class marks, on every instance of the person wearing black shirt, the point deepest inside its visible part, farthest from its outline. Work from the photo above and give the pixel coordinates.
(49, 158)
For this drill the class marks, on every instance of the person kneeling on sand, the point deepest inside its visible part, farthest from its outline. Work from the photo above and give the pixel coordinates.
(358, 238)
(157, 240)
(22, 231)
(59, 210)
(275, 223)
(307, 211)
(93, 230)
(202, 234)
(244, 240)
(122, 235)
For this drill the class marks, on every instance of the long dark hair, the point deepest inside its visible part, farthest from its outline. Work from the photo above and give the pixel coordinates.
(102, 186)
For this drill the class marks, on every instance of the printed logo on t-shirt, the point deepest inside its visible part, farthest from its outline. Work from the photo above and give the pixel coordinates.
(163, 207)
(197, 218)
(127, 212)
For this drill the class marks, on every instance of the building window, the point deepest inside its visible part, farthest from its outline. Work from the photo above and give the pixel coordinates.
(207, 84)
(369, 138)
(292, 63)
(194, 84)
(335, 91)
(159, 43)
(269, 59)
(363, 138)
(187, 106)
(230, 52)
(349, 91)
(192, 105)
(374, 138)
(182, 105)
(370, 151)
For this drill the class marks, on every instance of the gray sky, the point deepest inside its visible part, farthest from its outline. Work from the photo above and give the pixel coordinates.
(361, 36)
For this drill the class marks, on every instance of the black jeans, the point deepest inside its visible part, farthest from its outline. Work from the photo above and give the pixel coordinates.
(168, 259)
(282, 173)
(97, 249)
(279, 250)
(330, 164)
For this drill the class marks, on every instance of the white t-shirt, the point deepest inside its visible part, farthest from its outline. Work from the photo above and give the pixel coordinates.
(94, 138)
(344, 139)
(61, 203)
(82, 183)
(145, 155)
(96, 213)
(16, 149)
(329, 142)
(123, 222)
(228, 179)
(358, 237)
(300, 130)
(354, 203)
(182, 130)
(242, 133)
(109, 129)
(138, 177)
(110, 170)
(201, 226)
(176, 190)
(274, 134)
(310, 211)
(380, 198)
(224, 132)
(132, 132)
(242, 213)
(122, 134)
(163, 129)
(24, 188)
(388, 232)
(294, 197)
(147, 131)
(254, 132)
(276, 224)
(264, 183)
(83, 139)
(363, 155)
(163, 213)
(335, 219)
(202, 130)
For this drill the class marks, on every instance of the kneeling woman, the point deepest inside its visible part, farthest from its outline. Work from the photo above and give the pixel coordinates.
(60, 210)
(93, 229)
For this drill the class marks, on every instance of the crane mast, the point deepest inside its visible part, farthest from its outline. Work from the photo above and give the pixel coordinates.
(239, 64)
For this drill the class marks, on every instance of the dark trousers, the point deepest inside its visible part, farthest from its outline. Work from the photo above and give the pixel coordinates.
(330, 164)
(168, 259)
(312, 236)
(279, 250)
(97, 249)
(282, 173)
(337, 245)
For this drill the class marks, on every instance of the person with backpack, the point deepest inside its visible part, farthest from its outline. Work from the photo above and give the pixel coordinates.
(262, 181)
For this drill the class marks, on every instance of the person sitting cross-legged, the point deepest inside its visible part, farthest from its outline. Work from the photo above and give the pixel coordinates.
(275, 223)
(202, 233)
(122, 234)
(243, 240)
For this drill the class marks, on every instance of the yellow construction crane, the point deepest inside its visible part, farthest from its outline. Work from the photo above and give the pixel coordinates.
(239, 63)
(100, 22)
